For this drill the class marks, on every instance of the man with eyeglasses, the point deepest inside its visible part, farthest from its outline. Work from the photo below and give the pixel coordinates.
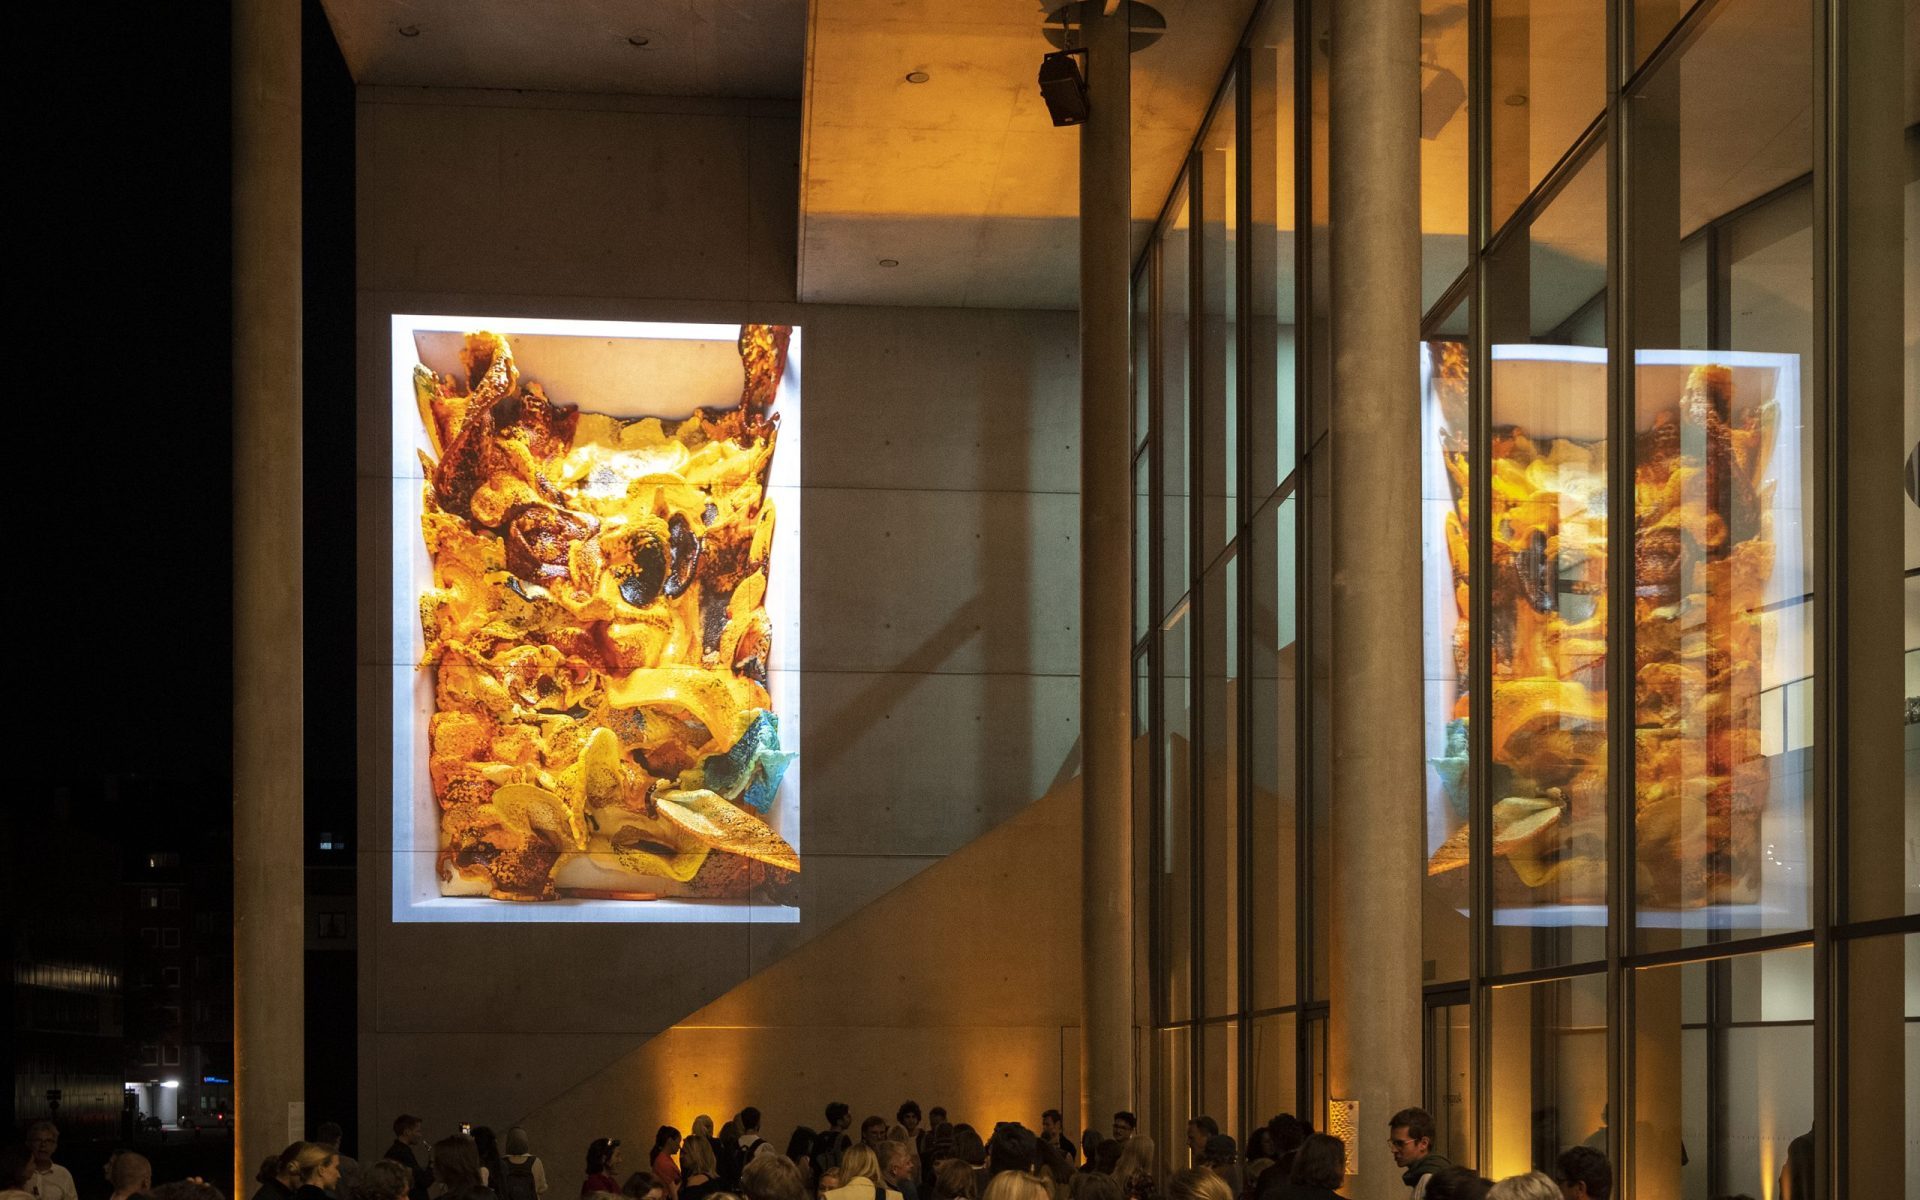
(1123, 1126)
(1410, 1137)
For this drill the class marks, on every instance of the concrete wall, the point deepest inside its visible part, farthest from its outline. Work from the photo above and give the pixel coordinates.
(939, 582)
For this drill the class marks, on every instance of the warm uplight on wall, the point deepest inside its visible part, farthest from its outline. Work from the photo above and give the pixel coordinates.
(1343, 1122)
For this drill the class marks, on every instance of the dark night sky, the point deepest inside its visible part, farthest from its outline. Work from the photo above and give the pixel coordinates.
(124, 223)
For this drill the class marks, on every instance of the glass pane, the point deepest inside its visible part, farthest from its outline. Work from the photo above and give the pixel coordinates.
(1548, 1073)
(1176, 568)
(1653, 20)
(1142, 335)
(1447, 898)
(1548, 591)
(1444, 55)
(1319, 730)
(1727, 1047)
(1450, 1081)
(1316, 1114)
(1219, 1081)
(1274, 1066)
(1143, 613)
(1273, 822)
(1910, 504)
(1724, 485)
(1548, 69)
(1320, 244)
(1219, 334)
(1173, 908)
(1219, 740)
(1271, 225)
(1173, 1093)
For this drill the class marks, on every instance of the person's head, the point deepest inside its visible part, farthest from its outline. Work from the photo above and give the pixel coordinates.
(967, 1144)
(130, 1173)
(383, 1180)
(1410, 1136)
(955, 1180)
(666, 1140)
(643, 1185)
(456, 1163)
(328, 1134)
(1583, 1173)
(1136, 1158)
(1012, 1148)
(749, 1119)
(1199, 1129)
(1260, 1145)
(702, 1127)
(1106, 1156)
(800, 1146)
(269, 1171)
(873, 1130)
(309, 1164)
(1197, 1183)
(896, 1161)
(1092, 1185)
(697, 1156)
(773, 1177)
(1531, 1186)
(936, 1115)
(1321, 1161)
(43, 1138)
(14, 1168)
(1457, 1183)
(487, 1142)
(1124, 1123)
(186, 1189)
(602, 1155)
(1050, 1122)
(406, 1128)
(858, 1161)
(1287, 1131)
(1018, 1185)
(839, 1116)
(909, 1117)
(517, 1141)
(1220, 1151)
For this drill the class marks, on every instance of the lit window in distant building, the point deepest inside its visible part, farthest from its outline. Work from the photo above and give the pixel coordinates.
(333, 841)
(149, 897)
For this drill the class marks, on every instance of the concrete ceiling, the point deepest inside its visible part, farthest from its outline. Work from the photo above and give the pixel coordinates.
(963, 181)
(752, 48)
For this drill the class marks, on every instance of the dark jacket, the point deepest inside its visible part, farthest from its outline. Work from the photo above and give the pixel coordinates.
(273, 1189)
(422, 1177)
(1432, 1164)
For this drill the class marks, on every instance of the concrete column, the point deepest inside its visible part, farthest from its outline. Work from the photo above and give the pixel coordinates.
(1106, 587)
(269, 945)
(1374, 1029)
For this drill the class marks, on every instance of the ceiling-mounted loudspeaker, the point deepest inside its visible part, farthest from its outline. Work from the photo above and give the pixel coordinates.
(1064, 88)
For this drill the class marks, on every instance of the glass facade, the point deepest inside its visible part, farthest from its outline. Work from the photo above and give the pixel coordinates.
(1629, 439)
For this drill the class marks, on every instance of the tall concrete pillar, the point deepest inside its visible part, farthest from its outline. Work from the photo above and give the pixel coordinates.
(268, 925)
(1106, 585)
(1374, 1030)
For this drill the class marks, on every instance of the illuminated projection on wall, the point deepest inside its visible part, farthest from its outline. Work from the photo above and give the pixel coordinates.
(1721, 648)
(596, 615)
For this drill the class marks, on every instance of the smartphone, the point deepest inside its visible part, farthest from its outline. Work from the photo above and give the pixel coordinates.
(466, 1129)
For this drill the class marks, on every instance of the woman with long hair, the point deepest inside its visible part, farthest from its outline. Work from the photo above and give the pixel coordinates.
(603, 1155)
(456, 1170)
(1134, 1168)
(310, 1169)
(666, 1144)
(699, 1169)
(382, 1180)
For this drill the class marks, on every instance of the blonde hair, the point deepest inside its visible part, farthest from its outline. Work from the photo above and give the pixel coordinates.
(696, 1156)
(1531, 1186)
(303, 1160)
(1136, 1158)
(1017, 1185)
(858, 1161)
(1198, 1183)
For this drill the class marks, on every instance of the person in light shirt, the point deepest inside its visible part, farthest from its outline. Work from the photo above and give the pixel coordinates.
(47, 1179)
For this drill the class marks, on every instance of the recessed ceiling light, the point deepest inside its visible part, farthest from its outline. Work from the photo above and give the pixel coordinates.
(409, 31)
(638, 39)
(889, 262)
(918, 76)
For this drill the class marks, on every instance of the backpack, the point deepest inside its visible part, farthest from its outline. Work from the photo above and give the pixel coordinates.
(516, 1180)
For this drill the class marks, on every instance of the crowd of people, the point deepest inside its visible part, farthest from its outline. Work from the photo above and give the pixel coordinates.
(914, 1156)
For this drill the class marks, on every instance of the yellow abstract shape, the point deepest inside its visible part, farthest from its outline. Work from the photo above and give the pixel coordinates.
(716, 821)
